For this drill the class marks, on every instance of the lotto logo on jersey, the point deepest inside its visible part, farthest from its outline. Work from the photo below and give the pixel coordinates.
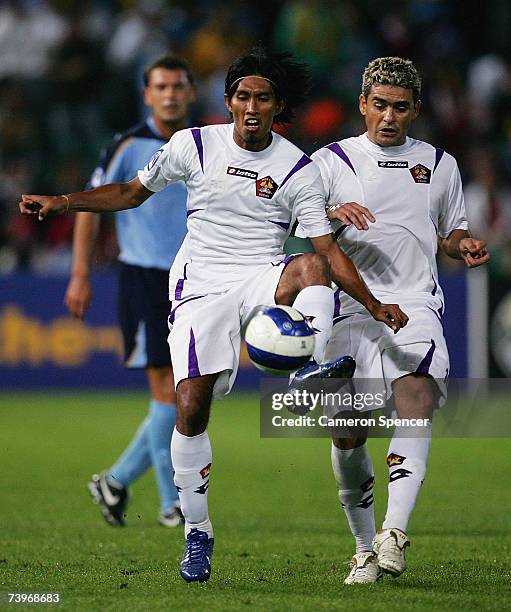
(394, 459)
(266, 187)
(393, 164)
(421, 174)
(241, 172)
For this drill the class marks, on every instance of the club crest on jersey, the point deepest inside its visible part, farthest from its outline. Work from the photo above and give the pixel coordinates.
(393, 164)
(266, 187)
(205, 470)
(421, 174)
(241, 172)
(394, 459)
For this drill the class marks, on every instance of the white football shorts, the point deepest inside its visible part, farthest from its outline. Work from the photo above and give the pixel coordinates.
(383, 356)
(205, 330)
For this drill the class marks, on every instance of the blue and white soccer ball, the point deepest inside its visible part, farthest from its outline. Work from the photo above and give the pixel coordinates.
(279, 339)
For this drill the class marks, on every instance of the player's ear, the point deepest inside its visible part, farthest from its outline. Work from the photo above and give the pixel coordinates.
(362, 104)
(227, 102)
(416, 108)
(280, 107)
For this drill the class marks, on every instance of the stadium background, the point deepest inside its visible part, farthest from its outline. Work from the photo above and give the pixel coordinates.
(70, 77)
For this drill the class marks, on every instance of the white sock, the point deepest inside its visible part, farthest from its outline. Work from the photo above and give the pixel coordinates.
(317, 303)
(191, 458)
(407, 461)
(353, 471)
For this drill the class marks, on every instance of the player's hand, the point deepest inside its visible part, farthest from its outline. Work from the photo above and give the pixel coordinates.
(390, 314)
(351, 213)
(43, 205)
(78, 296)
(474, 252)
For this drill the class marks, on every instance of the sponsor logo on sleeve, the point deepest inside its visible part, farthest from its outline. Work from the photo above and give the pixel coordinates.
(421, 174)
(153, 160)
(266, 187)
(393, 164)
(242, 172)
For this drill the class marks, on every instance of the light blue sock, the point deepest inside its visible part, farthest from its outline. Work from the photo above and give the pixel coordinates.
(162, 422)
(135, 460)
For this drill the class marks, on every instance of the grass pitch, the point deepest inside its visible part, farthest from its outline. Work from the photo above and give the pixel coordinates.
(281, 537)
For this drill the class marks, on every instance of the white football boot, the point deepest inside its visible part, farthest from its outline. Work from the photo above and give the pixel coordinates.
(389, 546)
(364, 569)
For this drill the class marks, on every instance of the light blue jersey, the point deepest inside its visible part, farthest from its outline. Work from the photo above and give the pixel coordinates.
(150, 235)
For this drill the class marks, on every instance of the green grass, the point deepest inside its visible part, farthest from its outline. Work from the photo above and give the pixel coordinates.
(281, 538)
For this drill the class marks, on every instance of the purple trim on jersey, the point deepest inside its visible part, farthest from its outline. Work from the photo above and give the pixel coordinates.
(437, 313)
(337, 302)
(284, 261)
(301, 163)
(172, 315)
(193, 363)
(340, 230)
(198, 143)
(435, 287)
(425, 364)
(439, 153)
(180, 284)
(281, 224)
(336, 148)
(191, 211)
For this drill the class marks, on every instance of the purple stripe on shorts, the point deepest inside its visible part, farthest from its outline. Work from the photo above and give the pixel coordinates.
(172, 315)
(193, 364)
(284, 261)
(180, 284)
(340, 230)
(337, 302)
(433, 292)
(198, 143)
(336, 148)
(302, 162)
(341, 318)
(191, 211)
(439, 153)
(425, 364)
(281, 224)
(437, 313)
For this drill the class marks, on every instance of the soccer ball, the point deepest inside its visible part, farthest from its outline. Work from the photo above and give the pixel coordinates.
(279, 339)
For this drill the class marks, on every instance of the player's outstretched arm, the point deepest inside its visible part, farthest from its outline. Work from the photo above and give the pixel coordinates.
(460, 245)
(107, 198)
(346, 276)
(79, 290)
(351, 213)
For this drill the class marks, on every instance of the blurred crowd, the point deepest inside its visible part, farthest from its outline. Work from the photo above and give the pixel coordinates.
(71, 77)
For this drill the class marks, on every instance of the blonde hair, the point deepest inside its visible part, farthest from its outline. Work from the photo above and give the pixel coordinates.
(393, 71)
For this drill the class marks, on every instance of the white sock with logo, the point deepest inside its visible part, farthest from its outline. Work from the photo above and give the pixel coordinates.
(317, 304)
(353, 471)
(191, 458)
(407, 461)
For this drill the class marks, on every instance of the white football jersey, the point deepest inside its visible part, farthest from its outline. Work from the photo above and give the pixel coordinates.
(415, 193)
(241, 204)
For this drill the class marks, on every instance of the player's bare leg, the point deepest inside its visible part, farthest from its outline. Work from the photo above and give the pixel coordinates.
(191, 458)
(415, 396)
(354, 475)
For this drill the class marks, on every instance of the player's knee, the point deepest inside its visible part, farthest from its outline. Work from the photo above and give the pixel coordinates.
(314, 269)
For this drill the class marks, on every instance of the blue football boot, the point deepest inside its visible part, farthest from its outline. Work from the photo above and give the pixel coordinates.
(196, 563)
